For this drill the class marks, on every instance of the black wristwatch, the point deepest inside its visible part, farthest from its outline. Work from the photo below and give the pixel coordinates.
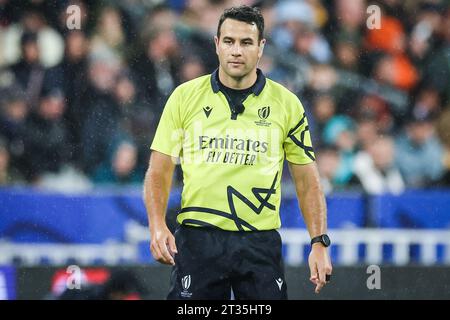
(324, 239)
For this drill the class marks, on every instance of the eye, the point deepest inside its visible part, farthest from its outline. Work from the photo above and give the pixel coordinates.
(227, 41)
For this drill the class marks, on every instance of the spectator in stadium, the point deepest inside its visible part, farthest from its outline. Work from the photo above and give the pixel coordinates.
(201, 15)
(157, 67)
(346, 52)
(296, 31)
(29, 72)
(395, 71)
(322, 78)
(13, 115)
(437, 69)
(375, 168)
(418, 152)
(102, 112)
(47, 147)
(7, 13)
(348, 21)
(340, 133)
(121, 169)
(8, 175)
(328, 162)
(427, 100)
(424, 33)
(324, 110)
(31, 18)
(109, 32)
(366, 132)
(375, 108)
(71, 75)
(192, 68)
(138, 120)
(443, 129)
(393, 66)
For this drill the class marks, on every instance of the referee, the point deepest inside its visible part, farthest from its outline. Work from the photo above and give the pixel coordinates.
(231, 131)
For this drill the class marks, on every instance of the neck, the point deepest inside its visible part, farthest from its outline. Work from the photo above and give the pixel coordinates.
(240, 83)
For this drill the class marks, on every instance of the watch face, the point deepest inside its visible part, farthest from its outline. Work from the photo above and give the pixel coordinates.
(326, 240)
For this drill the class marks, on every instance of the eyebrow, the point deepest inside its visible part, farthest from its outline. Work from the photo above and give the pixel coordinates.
(242, 40)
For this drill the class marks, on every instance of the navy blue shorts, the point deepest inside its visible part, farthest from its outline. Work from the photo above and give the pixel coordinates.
(211, 263)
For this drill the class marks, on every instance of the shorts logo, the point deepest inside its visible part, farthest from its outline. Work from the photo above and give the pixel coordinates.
(186, 283)
(279, 282)
(263, 114)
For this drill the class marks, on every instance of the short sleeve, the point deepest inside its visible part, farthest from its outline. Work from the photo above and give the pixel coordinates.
(169, 134)
(297, 145)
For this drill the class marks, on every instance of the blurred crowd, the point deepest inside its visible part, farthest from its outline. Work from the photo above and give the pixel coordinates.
(78, 108)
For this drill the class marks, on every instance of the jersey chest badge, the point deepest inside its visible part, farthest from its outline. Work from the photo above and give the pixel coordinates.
(263, 114)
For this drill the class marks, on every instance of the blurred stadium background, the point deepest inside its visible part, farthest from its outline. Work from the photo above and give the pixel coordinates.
(78, 109)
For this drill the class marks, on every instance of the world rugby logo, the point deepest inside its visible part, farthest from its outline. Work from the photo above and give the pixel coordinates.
(186, 282)
(264, 113)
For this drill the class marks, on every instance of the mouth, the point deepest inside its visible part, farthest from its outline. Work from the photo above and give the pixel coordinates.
(236, 63)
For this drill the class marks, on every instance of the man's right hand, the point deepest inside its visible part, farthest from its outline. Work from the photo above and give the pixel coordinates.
(162, 245)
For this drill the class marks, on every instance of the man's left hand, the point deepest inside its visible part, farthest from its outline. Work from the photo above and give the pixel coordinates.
(319, 266)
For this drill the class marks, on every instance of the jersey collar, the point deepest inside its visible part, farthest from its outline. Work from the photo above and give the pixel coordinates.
(257, 87)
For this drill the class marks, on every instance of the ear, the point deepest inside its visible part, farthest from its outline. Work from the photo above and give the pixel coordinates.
(216, 42)
(261, 47)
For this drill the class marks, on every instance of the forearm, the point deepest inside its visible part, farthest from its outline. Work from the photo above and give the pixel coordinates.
(313, 206)
(311, 198)
(314, 210)
(157, 185)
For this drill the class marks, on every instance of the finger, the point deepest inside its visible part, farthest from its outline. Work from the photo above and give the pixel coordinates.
(322, 275)
(319, 285)
(155, 251)
(157, 255)
(321, 280)
(172, 245)
(313, 272)
(162, 245)
(164, 261)
(314, 279)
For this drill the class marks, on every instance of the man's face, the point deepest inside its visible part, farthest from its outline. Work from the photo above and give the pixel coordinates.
(238, 48)
(420, 132)
(31, 52)
(52, 107)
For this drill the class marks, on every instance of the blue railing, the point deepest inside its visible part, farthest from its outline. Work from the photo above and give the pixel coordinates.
(28, 215)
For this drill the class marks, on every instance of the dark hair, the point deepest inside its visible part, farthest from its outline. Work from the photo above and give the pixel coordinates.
(28, 37)
(246, 14)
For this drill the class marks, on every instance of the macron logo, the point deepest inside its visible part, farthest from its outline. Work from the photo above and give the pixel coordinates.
(207, 111)
(279, 282)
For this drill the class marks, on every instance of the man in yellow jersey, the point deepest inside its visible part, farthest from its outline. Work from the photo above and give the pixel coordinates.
(231, 132)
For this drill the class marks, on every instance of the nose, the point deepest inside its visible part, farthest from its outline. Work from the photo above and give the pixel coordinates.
(237, 50)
